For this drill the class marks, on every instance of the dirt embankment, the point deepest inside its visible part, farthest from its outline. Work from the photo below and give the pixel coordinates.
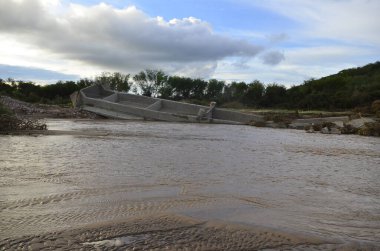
(24, 118)
(39, 111)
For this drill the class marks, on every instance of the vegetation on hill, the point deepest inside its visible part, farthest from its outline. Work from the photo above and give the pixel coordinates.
(348, 89)
(345, 90)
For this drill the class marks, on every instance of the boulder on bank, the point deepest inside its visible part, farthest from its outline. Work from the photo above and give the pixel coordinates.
(331, 128)
(358, 123)
(303, 123)
(361, 126)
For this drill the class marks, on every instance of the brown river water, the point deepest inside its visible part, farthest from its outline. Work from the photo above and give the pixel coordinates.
(118, 185)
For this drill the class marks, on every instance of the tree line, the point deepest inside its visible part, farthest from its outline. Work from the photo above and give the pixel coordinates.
(345, 90)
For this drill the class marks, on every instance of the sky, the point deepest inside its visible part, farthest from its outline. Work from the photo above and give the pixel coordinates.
(273, 41)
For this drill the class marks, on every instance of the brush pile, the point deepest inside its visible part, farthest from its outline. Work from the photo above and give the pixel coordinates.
(10, 123)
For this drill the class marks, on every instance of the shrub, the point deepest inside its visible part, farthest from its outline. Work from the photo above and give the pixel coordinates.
(370, 129)
(375, 107)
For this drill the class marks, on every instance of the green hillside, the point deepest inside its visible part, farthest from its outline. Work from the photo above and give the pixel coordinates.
(347, 89)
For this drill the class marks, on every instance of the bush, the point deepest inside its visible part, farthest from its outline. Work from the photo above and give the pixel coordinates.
(370, 129)
(375, 107)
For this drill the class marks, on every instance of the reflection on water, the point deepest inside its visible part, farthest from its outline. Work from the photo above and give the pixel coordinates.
(319, 184)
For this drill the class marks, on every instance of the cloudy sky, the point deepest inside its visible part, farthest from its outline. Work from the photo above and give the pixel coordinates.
(282, 41)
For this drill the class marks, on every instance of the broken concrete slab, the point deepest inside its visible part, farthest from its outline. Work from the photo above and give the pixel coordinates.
(124, 105)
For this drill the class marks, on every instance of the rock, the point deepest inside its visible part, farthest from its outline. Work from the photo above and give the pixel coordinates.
(325, 130)
(331, 130)
(339, 124)
(296, 125)
(357, 123)
(118, 243)
(335, 130)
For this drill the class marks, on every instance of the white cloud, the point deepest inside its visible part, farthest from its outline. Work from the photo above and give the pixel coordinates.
(327, 36)
(300, 63)
(326, 55)
(348, 20)
(324, 37)
(107, 38)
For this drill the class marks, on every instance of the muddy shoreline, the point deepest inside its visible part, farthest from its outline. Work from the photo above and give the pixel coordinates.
(347, 124)
(43, 111)
(174, 232)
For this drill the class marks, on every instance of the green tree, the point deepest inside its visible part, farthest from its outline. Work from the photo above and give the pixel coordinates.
(58, 92)
(199, 88)
(6, 89)
(254, 94)
(150, 81)
(214, 89)
(238, 90)
(28, 91)
(274, 95)
(115, 81)
(181, 86)
(85, 82)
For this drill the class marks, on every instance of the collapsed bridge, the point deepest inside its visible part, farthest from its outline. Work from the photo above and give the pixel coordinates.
(112, 104)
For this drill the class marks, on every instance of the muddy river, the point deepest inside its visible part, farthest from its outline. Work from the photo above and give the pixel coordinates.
(149, 185)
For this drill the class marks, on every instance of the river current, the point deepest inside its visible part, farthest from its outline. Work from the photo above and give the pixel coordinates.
(105, 170)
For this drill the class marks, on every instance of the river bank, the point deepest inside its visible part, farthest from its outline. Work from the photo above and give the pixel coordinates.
(310, 121)
(41, 111)
(176, 232)
(18, 117)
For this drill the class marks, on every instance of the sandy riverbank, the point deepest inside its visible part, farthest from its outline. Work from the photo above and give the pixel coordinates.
(174, 232)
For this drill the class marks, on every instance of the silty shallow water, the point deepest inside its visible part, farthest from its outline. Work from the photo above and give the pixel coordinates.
(325, 185)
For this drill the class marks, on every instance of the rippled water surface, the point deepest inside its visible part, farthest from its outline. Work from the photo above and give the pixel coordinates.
(327, 185)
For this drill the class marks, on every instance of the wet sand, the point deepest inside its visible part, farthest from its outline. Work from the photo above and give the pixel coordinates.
(159, 186)
(173, 232)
